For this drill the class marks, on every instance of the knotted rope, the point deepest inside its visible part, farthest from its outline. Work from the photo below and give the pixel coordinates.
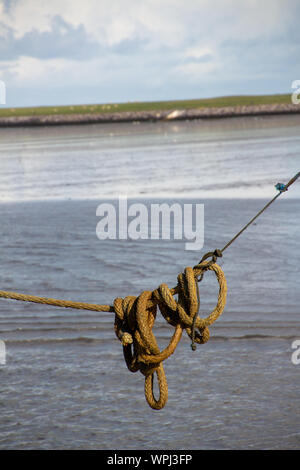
(135, 317)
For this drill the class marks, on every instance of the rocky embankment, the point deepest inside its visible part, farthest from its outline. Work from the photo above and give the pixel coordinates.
(186, 114)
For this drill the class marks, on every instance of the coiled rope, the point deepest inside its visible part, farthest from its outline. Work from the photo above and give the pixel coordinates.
(135, 316)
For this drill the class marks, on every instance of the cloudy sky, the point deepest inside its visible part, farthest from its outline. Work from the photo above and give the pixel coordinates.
(99, 51)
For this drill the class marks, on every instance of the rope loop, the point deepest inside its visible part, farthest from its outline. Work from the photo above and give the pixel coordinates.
(135, 318)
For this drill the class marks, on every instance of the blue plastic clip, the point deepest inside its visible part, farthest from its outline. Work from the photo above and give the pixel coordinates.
(280, 187)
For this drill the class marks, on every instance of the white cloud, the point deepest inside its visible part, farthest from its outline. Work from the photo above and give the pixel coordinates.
(170, 22)
(195, 71)
(149, 45)
(198, 52)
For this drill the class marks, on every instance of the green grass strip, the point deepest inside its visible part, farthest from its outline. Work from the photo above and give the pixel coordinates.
(148, 105)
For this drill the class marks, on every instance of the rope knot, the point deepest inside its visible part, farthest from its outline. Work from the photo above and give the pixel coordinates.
(135, 318)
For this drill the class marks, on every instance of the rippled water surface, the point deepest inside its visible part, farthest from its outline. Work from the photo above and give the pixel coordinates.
(65, 383)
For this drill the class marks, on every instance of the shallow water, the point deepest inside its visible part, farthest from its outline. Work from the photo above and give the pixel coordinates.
(65, 384)
(237, 157)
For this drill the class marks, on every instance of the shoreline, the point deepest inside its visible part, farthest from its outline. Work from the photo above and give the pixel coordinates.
(150, 115)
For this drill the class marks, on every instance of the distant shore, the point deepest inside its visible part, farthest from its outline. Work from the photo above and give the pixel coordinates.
(214, 108)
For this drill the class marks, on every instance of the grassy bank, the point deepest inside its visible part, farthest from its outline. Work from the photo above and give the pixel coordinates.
(148, 106)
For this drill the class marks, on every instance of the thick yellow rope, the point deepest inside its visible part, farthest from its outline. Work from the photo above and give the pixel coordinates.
(135, 317)
(55, 302)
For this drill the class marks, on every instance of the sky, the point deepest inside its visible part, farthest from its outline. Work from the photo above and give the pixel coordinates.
(106, 51)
